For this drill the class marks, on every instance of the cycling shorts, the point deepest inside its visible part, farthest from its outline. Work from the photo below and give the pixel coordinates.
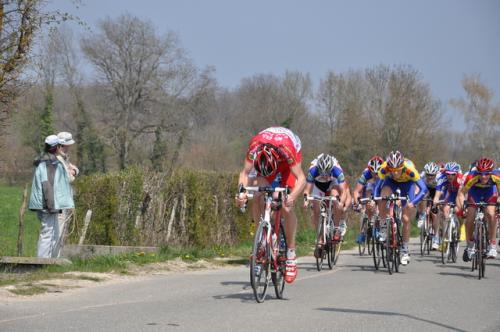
(451, 197)
(488, 195)
(406, 188)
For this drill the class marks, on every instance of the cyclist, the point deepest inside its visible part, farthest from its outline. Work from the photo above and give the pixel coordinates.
(400, 173)
(449, 183)
(481, 184)
(275, 151)
(429, 176)
(364, 188)
(325, 178)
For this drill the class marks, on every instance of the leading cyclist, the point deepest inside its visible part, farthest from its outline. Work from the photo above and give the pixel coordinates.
(276, 151)
(400, 173)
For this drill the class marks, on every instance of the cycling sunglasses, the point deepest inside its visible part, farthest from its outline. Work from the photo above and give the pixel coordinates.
(485, 173)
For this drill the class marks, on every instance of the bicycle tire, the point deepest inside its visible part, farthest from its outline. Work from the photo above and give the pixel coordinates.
(319, 235)
(388, 248)
(369, 239)
(329, 245)
(483, 234)
(336, 250)
(479, 252)
(445, 244)
(261, 256)
(422, 240)
(399, 243)
(375, 253)
(363, 230)
(454, 240)
(278, 277)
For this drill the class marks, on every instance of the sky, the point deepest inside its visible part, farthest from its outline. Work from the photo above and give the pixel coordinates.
(443, 39)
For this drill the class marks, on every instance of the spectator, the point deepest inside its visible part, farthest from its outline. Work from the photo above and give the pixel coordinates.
(50, 194)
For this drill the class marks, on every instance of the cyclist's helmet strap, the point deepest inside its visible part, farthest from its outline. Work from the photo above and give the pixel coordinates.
(266, 160)
(395, 160)
(431, 168)
(485, 164)
(375, 163)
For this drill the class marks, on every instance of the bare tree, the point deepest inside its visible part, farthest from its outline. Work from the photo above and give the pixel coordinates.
(482, 118)
(143, 70)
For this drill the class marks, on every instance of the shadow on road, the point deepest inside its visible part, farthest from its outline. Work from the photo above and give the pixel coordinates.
(389, 313)
(472, 275)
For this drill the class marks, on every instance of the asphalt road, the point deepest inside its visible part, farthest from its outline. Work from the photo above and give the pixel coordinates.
(424, 296)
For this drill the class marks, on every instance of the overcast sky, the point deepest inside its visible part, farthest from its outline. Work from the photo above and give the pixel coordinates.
(444, 39)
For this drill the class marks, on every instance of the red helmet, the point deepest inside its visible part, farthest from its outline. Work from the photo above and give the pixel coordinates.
(266, 160)
(485, 164)
(375, 163)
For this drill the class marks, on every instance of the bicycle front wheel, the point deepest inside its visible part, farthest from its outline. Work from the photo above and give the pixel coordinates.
(278, 276)
(260, 264)
(445, 244)
(319, 251)
(363, 232)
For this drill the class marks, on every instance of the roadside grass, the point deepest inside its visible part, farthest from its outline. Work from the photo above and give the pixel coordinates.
(10, 201)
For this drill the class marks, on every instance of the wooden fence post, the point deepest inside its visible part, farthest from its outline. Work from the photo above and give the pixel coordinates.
(22, 210)
(85, 226)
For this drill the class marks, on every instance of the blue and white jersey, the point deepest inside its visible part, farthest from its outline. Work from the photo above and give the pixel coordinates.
(336, 175)
(430, 184)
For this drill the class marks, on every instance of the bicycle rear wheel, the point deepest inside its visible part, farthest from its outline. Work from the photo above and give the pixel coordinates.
(278, 277)
(260, 264)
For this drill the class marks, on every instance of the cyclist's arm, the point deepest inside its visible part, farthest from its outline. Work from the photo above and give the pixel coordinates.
(357, 192)
(437, 196)
(423, 190)
(299, 185)
(461, 198)
(247, 168)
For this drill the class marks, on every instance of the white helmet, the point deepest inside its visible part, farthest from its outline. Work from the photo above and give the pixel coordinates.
(325, 163)
(431, 168)
(395, 160)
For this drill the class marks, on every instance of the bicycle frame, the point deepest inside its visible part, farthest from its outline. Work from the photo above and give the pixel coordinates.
(481, 237)
(393, 225)
(266, 219)
(324, 232)
(266, 254)
(449, 244)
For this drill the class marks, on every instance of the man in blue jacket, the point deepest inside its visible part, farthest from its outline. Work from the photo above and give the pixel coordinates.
(50, 194)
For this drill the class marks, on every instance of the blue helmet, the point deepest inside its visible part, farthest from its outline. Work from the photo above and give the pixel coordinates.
(452, 168)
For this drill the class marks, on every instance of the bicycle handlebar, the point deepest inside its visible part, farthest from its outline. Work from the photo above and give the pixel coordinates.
(322, 198)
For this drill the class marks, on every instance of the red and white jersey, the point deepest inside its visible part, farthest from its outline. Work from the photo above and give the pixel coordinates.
(288, 144)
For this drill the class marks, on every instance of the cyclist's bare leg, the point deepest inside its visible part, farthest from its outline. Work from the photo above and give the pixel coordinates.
(290, 225)
(384, 211)
(407, 216)
(469, 223)
(492, 223)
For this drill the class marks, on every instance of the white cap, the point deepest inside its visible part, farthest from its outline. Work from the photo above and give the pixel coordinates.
(65, 138)
(52, 140)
